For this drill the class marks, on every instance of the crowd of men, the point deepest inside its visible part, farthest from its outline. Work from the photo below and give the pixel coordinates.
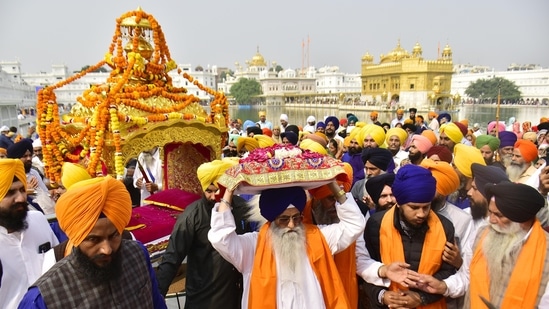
(430, 214)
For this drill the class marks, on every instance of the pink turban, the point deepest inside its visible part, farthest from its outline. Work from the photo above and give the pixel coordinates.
(422, 143)
(492, 125)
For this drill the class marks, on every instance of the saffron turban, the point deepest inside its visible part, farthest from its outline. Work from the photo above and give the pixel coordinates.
(374, 114)
(464, 156)
(432, 114)
(10, 169)
(452, 131)
(430, 134)
(465, 122)
(375, 185)
(422, 143)
(262, 113)
(208, 173)
(444, 115)
(517, 202)
(72, 173)
(492, 125)
(273, 202)
(414, 184)
(527, 149)
(284, 117)
(267, 131)
(246, 142)
(346, 141)
(17, 150)
(377, 156)
(376, 132)
(79, 208)
(483, 175)
(264, 141)
(442, 152)
(312, 146)
(399, 132)
(291, 136)
(445, 175)
(408, 121)
(530, 136)
(462, 127)
(320, 124)
(318, 137)
(485, 139)
(324, 191)
(334, 120)
(400, 111)
(507, 139)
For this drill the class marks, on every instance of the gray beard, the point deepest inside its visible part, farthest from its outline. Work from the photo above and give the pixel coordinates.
(289, 247)
(501, 248)
(506, 160)
(514, 171)
(321, 215)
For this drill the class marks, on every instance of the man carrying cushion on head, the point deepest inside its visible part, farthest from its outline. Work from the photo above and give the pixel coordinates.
(522, 164)
(212, 282)
(488, 145)
(399, 234)
(288, 263)
(419, 147)
(103, 270)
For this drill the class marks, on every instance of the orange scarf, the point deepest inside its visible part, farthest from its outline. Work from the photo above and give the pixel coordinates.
(523, 286)
(263, 282)
(391, 248)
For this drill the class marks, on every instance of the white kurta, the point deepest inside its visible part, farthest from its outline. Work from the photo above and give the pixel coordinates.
(21, 260)
(239, 250)
(153, 171)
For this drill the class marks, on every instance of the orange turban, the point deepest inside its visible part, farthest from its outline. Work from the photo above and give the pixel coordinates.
(318, 137)
(209, 173)
(72, 173)
(374, 114)
(465, 156)
(464, 122)
(445, 175)
(408, 121)
(432, 114)
(527, 149)
(247, 142)
(267, 131)
(400, 111)
(80, 207)
(430, 134)
(3, 151)
(324, 191)
(10, 168)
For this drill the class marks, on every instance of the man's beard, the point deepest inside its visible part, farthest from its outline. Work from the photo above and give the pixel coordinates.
(514, 171)
(411, 225)
(478, 210)
(438, 202)
(28, 166)
(354, 150)
(99, 274)
(415, 158)
(384, 206)
(330, 133)
(289, 246)
(323, 215)
(14, 219)
(506, 159)
(501, 247)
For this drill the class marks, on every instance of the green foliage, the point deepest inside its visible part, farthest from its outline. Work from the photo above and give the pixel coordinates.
(488, 88)
(224, 74)
(99, 70)
(245, 90)
(277, 69)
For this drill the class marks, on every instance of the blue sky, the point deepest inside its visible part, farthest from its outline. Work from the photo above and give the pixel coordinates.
(219, 32)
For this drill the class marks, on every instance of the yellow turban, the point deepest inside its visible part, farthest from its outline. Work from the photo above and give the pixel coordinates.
(209, 173)
(452, 131)
(10, 168)
(72, 173)
(360, 124)
(375, 131)
(445, 175)
(79, 208)
(400, 132)
(464, 156)
(408, 121)
(312, 146)
(247, 142)
(263, 141)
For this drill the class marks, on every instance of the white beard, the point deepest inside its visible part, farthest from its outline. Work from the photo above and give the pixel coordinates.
(289, 248)
(514, 171)
(501, 248)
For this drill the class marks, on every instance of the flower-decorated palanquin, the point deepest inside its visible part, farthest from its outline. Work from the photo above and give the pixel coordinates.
(136, 109)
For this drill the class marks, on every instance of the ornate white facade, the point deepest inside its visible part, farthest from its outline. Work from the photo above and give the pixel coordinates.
(15, 95)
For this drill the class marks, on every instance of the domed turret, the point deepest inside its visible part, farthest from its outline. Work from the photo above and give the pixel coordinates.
(447, 52)
(257, 60)
(395, 55)
(368, 58)
(417, 51)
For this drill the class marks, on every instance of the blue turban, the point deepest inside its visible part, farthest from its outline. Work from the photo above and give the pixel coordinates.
(273, 202)
(444, 115)
(320, 124)
(291, 136)
(247, 124)
(352, 118)
(507, 138)
(414, 184)
(17, 150)
(333, 120)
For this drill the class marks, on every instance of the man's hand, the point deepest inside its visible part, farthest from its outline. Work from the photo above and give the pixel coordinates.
(401, 299)
(151, 187)
(32, 183)
(431, 284)
(544, 180)
(399, 272)
(451, 255)
(139, 183)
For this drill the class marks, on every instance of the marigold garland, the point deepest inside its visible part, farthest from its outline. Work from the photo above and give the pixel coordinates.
(104, 100)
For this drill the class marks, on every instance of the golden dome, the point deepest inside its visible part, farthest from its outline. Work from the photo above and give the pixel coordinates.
(395, 55)
(144, 48)
(367, 57)
(447, 52)
(258, 60)
(417, 51)
(130, 21)
(447, 48)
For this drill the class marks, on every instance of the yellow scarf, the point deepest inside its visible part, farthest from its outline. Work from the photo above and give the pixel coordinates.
(263, 282)
(391, 248)
(523, 286)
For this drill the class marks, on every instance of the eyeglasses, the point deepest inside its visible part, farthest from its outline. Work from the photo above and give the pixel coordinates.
(285, 220)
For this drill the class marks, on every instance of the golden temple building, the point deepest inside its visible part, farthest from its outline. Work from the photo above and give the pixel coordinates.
(403, 79)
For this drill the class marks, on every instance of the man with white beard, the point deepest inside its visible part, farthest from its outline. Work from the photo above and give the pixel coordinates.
(521, 167)
(288, 264)
(148, 174)
(505, 152)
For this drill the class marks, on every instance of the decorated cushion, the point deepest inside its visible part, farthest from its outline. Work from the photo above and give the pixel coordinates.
(172, 198)
(281, 166)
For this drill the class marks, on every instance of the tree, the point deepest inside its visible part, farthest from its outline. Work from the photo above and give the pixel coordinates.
(245, 89)
(277, 69)
(224, 74)
(99, 70)
(488, 88)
